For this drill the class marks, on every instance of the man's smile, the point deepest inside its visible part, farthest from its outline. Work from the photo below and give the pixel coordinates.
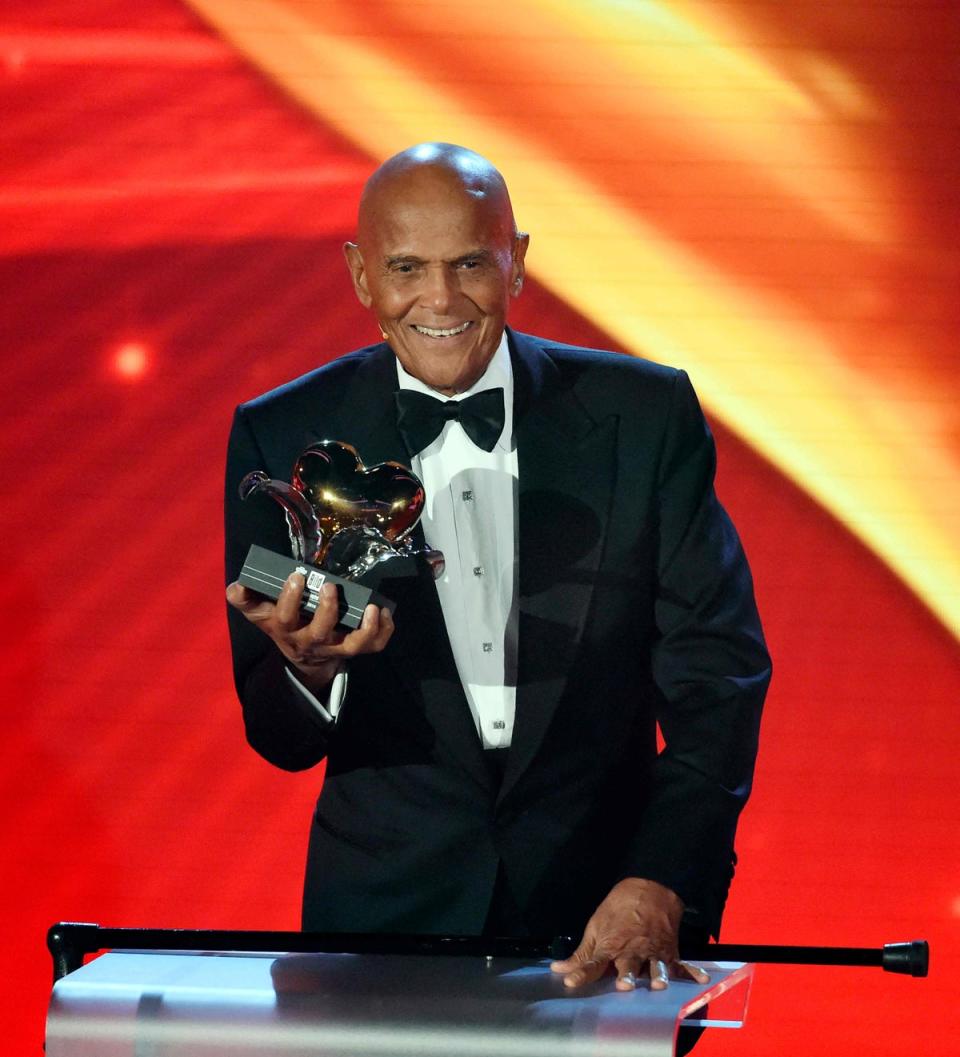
(438, 332)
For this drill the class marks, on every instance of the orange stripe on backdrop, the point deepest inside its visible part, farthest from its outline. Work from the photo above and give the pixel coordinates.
(731, 187)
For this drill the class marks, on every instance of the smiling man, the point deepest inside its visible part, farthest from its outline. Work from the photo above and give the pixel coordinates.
(491, 759)
(437, 259)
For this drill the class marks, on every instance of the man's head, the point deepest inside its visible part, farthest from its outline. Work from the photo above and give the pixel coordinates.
(437, 259)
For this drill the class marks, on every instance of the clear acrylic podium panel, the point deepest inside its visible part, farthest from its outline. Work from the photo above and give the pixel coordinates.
(210, 1004)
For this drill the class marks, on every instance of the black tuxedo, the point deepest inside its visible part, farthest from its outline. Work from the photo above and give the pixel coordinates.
(636, 605)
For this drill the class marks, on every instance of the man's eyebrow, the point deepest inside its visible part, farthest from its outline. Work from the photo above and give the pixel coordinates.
(408, 258)
(474, 255)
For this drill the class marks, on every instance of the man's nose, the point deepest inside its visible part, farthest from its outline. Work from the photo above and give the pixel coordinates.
(440, 289)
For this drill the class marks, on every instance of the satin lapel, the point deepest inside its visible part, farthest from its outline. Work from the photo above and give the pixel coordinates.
(365, 415)
(567, 475)
(420, 648)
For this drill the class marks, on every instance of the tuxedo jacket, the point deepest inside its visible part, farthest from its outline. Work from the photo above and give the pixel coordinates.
(635, 608)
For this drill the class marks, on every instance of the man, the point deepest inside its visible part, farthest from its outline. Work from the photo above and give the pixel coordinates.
(491, 757)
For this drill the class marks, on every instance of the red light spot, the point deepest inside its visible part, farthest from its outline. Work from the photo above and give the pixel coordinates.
(131, 360)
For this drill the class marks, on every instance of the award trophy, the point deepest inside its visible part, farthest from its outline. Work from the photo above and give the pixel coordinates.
(349, 525)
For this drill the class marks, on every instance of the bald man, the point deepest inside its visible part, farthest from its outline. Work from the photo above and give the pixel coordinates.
(491, 755)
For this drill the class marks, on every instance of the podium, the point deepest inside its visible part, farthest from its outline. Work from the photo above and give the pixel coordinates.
(209, 993)
(168, 1003)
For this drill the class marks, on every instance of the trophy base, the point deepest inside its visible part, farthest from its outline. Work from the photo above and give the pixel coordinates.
(266, 572)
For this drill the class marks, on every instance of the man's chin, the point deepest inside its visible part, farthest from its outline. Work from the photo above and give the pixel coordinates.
(448, 371)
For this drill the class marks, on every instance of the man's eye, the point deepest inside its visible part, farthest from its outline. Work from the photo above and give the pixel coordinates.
(470, 264)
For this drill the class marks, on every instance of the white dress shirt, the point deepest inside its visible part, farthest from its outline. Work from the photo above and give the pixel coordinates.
(470, 515)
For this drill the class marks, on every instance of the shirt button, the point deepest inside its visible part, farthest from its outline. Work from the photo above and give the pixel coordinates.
(498, 724)
(478, 570)
(488, 647)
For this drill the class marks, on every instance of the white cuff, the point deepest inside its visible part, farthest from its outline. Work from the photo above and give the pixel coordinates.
(336, 692)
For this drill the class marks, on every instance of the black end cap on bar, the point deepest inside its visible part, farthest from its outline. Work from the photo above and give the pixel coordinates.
(910, 959)
(68, 942)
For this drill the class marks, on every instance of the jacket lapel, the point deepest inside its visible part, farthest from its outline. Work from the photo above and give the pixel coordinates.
(365, 415)
(566, 463)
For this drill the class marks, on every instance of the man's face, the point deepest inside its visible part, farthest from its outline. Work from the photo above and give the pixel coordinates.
(438, 264)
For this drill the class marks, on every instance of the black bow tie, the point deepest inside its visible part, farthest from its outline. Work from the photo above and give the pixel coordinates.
(420, 418)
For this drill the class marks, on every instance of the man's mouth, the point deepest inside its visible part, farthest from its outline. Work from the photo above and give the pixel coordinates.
(439, 332)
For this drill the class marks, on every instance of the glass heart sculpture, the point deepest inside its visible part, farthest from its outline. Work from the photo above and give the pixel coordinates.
(344, 516)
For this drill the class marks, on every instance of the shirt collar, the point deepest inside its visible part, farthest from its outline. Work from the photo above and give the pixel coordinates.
(498, 375)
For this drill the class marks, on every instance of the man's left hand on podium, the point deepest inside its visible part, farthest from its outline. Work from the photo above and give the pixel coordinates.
(635, 930)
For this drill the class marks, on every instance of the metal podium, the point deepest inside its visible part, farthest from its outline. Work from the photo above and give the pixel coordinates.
(153, 1003)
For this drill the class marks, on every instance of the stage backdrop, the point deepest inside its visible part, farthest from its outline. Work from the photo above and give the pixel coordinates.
(763, 193)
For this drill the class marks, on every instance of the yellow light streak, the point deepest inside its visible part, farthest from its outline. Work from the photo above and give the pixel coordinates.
(775, 379)
(750, 108)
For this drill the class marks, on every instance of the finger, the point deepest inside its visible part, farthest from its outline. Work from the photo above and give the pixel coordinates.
(386, 630)
(579, 956)
(659, 978)
(256, 608)
(587, 972)
(237, 595)
(288, 613)
(319, 642)
(683, 970)
(325, 616)
(567, 965)
(580, 966)
(628, 969)
(361, 640)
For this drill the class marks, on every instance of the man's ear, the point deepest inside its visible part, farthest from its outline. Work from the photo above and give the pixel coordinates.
(351, 251)
(520, 244)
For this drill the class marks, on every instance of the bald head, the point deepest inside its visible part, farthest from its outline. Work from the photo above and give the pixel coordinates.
(437, 259)
(435, 171)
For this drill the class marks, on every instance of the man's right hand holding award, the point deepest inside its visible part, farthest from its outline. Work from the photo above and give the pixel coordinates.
(320, 648)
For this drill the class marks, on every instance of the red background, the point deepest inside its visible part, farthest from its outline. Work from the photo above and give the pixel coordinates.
(164, 201)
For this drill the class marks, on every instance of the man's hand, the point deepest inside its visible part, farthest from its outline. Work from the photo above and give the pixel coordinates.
(635, 930)
(317, 649)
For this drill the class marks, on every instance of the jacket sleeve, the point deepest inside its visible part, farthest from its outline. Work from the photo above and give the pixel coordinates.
(281, 723)
(710, 671)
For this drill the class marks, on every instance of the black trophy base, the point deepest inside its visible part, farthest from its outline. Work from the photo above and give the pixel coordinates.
(266, 572)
